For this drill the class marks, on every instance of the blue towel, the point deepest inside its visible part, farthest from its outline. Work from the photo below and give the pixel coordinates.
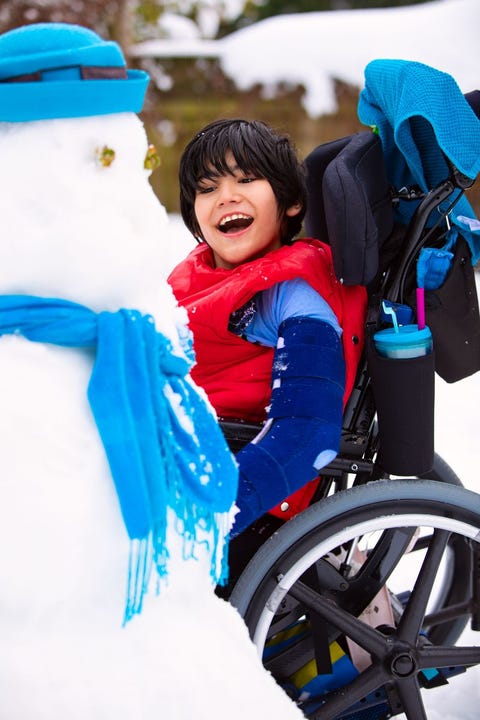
(420, 113)
(163, 444)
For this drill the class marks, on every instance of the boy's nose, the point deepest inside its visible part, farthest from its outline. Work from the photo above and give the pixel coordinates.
(229, 192)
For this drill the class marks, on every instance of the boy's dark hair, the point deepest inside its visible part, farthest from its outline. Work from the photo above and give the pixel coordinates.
(257, 150)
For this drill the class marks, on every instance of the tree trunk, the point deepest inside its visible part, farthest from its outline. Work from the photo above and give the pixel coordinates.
(123, 28)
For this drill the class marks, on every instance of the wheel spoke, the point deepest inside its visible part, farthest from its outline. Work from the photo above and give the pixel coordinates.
(412, 619)
(341, 700)
(382, 560)
(410, 696)
(365, 636)
(284, 661)
(440, 657)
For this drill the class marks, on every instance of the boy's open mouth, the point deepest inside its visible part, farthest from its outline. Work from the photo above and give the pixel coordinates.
(236, 221)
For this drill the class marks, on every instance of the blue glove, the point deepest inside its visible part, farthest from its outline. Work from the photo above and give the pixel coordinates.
(304, 424)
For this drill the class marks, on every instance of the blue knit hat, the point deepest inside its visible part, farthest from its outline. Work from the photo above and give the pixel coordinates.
(56, 70)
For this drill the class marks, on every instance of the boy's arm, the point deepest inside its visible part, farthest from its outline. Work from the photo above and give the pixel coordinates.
(305, 418)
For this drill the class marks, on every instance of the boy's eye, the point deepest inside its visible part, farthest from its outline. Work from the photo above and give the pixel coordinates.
(204, 189)
(247, 179)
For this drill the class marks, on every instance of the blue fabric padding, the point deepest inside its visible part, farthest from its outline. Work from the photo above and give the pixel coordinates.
(281, 463)
(310, 348)
(296, 443)
(162, 454)
(308, 372)
(308, 397)
(421, 113)
(261, 477)
(57, 51)
(306, 420)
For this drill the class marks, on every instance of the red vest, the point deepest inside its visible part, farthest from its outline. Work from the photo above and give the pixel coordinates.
(235, 373)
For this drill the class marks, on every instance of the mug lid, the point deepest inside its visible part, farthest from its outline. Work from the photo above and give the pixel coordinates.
(406, 335)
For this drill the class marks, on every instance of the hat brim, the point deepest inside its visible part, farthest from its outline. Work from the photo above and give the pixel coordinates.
(27, 101)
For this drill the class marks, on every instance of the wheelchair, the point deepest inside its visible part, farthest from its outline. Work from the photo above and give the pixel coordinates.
(360, 604)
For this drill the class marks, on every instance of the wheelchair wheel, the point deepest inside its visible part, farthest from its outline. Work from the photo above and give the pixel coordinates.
(316, 595)
(457, 580)
(455, 589)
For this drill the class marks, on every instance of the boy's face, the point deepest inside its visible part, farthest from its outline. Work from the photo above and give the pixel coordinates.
(238, 216)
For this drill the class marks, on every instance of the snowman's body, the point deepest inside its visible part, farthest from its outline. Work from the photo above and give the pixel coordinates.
(73, 229)
(63, 572)
(57, 243)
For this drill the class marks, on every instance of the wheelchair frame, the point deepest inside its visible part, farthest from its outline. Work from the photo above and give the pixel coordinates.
(309, 587)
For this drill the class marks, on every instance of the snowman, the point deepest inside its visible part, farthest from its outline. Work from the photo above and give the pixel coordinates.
(117, 490)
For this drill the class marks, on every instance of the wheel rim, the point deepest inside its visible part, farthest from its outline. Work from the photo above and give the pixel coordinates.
(398, 662)
(340, 538)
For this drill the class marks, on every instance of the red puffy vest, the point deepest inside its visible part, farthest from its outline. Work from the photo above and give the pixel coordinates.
(235, 373)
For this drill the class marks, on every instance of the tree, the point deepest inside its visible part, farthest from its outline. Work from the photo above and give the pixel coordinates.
(255, 10)
(112, 19)
(127, 21)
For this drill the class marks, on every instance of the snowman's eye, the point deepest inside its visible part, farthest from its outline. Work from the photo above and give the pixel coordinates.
(152, 158)
(105, 156)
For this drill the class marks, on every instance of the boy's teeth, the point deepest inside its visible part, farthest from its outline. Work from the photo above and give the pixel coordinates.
(236, 221)
(235, 216)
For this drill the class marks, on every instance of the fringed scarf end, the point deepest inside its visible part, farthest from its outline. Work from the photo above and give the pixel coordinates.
(138, 576)
(207, 530)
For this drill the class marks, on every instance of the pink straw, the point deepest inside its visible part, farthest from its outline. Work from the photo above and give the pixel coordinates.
(420, 308)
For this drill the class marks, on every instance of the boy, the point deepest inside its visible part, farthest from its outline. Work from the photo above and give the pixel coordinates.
(271, 324)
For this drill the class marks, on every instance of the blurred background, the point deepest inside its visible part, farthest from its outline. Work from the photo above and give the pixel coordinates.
(200, 62)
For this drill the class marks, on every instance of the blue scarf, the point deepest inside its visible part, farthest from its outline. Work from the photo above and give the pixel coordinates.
(163, 444)
(420, 114)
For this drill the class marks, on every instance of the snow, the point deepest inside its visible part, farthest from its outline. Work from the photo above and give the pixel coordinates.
(315, 48)
(95, 235)
(98, 236)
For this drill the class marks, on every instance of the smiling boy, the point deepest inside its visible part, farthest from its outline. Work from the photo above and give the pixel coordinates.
(238, 215)
(276, 335)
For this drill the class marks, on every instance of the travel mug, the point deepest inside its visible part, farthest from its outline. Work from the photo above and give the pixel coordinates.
(405, 341)
(401, 362)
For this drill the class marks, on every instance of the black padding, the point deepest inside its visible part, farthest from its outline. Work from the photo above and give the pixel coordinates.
(404, 392)
(453, 316)
(349, 204)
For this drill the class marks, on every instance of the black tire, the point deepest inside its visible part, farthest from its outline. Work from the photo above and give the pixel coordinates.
(289, 579)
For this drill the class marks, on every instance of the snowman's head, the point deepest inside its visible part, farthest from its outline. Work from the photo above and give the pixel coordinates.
(78, 217)
(57, 70)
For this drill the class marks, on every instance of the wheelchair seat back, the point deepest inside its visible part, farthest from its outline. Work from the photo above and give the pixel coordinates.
(376, 231)
(349, 204)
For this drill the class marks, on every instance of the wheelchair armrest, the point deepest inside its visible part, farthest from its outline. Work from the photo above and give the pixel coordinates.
(238, 433)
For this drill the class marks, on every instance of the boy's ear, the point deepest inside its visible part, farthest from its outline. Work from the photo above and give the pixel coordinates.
(293, 210)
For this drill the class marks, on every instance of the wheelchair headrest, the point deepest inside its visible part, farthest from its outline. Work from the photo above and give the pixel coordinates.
(473, 99)
(349, 204)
